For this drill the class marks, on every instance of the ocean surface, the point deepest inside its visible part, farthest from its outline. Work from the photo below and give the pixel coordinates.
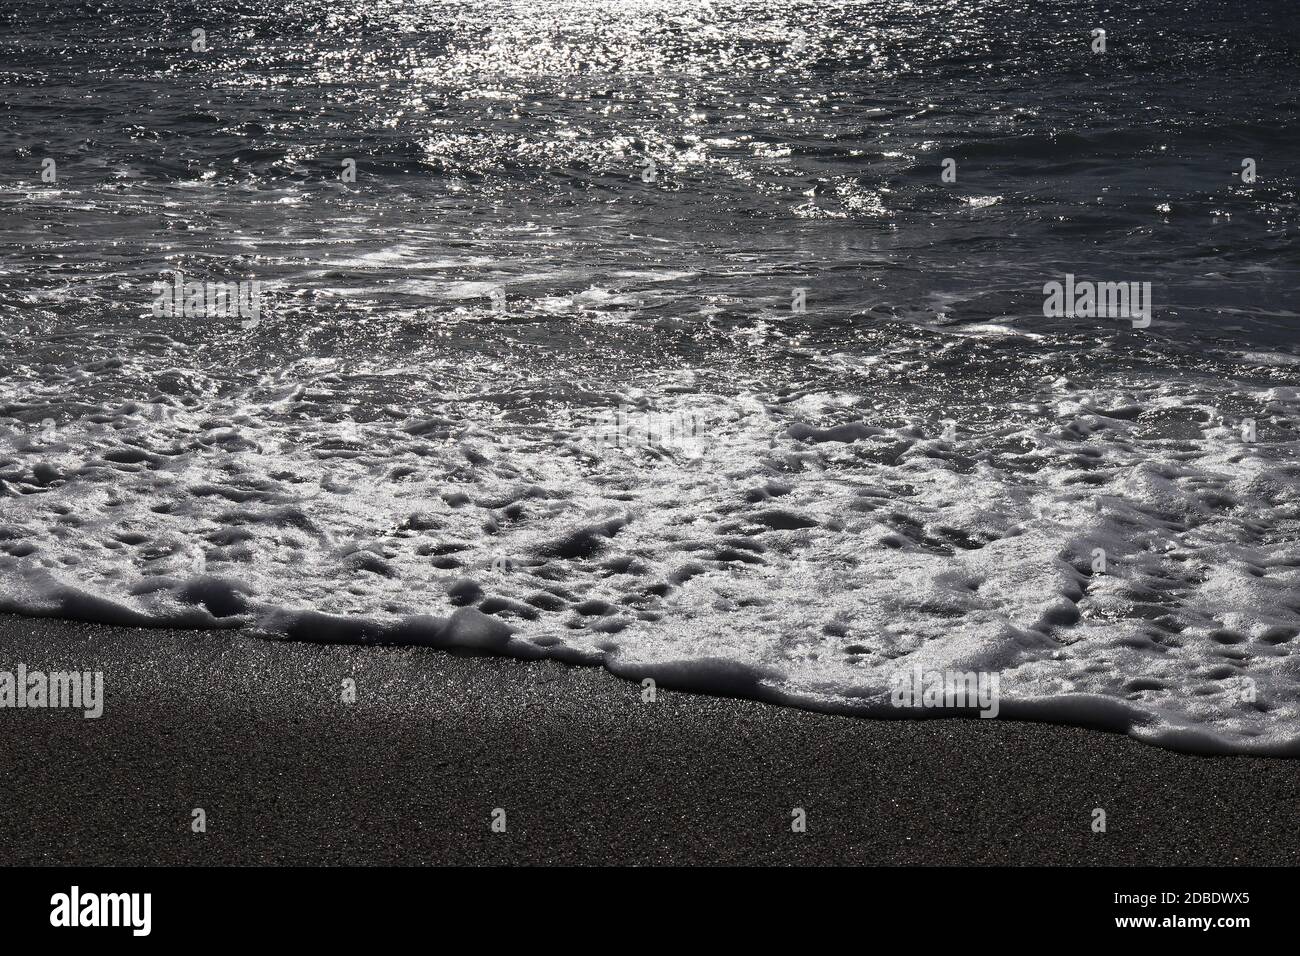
(650, 335)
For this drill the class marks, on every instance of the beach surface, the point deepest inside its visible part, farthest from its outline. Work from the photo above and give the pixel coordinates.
(795, 345)
(257, 734)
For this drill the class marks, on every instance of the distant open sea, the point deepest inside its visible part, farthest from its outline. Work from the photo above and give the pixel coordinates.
(653, 335)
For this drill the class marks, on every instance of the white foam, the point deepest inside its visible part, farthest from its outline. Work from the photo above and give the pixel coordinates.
(808, 554)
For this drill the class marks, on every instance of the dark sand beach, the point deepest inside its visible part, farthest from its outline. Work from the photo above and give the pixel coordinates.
(255, 732)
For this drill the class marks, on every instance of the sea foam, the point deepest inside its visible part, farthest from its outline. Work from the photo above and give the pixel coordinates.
(806, 552)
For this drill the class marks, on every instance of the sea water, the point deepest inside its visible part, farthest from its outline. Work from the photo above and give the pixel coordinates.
(705, 342)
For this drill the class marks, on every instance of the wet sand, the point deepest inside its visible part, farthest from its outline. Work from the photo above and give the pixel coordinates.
(257, 734)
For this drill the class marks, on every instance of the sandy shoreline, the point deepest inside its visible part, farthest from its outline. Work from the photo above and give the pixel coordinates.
(256, 733)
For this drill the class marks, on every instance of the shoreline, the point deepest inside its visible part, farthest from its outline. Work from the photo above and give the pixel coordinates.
(256, 733)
